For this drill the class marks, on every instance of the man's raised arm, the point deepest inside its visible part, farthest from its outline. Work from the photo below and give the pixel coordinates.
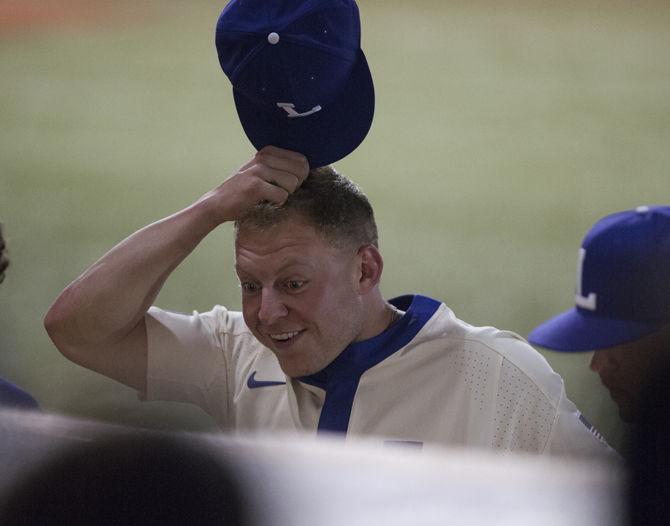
(98, 320)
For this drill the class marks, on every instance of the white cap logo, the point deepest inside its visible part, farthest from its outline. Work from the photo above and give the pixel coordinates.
(585, 302)
(289, 108)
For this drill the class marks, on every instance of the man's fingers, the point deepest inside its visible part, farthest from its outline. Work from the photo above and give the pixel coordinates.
(272, 174)
(278, 158)
(286, 180)
(284, 160)
(281, 152)
(248, 164)
(274, 194)
(279, 167)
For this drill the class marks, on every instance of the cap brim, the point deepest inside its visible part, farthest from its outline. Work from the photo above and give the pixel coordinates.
(574, 331)
(325, 136)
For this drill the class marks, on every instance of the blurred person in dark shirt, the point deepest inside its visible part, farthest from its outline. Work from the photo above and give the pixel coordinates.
(131, 478)
(649, 460)
(11, 395)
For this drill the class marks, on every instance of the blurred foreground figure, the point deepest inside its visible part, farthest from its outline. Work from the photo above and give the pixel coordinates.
(622, 307)
(299, 481)
(130, 480)
(10, 394)
(316, 347)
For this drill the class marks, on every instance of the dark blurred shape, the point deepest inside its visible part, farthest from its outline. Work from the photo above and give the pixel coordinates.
(14, 397)
(650, 455)
(11, 395)
(129, 480)
(4, 260)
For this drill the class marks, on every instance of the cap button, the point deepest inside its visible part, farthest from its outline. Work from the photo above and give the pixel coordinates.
(642, 209)
(273, 38)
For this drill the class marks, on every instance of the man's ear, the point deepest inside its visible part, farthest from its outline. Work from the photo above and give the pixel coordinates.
(371, 265)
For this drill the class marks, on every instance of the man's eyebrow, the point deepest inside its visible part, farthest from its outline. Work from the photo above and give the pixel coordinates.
(288, 265)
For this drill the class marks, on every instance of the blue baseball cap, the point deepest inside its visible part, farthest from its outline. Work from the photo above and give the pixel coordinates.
(300, 79)
(623, 284)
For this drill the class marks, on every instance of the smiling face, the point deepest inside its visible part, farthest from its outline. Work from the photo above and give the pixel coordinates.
(300, 294)
(625, 369)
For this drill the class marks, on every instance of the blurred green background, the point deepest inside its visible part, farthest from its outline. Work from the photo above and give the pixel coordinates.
(503, 130)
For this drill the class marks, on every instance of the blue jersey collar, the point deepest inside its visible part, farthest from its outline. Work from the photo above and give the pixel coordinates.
(340, 378)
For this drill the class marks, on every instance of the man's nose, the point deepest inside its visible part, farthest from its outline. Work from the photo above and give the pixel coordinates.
(272, 307)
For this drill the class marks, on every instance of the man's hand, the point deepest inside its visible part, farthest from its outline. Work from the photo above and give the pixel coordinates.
(270, 175)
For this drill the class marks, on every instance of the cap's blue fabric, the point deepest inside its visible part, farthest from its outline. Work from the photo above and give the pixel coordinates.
(300, 79)
(573, 331)
(624, 288)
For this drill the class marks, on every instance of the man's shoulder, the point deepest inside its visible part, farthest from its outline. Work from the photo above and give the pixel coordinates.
(218, 319)
(444, 325)
(491, 344)
(218, 329)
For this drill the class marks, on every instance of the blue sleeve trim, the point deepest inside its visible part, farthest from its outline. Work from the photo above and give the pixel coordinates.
(15, 397)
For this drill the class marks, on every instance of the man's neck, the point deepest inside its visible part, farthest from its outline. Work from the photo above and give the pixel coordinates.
(381, 316)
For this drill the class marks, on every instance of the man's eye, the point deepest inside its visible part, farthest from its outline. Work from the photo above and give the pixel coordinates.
(295, 284)
(249, 287)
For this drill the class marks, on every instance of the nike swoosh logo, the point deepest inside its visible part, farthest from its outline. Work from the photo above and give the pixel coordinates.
(252, 383)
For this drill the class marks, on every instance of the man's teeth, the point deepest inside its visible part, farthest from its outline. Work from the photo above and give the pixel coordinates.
(283, 336)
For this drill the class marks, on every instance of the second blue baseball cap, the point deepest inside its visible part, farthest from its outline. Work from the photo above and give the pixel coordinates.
(623, 284)
(300, 79)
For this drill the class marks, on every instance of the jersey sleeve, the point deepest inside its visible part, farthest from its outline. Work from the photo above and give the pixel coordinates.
(573, 434)
(187, 360)
(533, 412)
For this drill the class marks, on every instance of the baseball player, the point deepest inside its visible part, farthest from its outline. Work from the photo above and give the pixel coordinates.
(316, 348)
(622, 304)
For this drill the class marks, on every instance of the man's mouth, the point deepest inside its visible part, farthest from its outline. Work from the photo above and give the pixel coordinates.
(284, 336)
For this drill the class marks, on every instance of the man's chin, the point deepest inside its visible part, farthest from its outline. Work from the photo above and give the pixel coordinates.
(301, 361)
(297, 370)
(627, 414)
(627, 411)
(296, 366)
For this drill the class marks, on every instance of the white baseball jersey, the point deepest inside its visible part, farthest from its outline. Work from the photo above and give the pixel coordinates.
(429, 378)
